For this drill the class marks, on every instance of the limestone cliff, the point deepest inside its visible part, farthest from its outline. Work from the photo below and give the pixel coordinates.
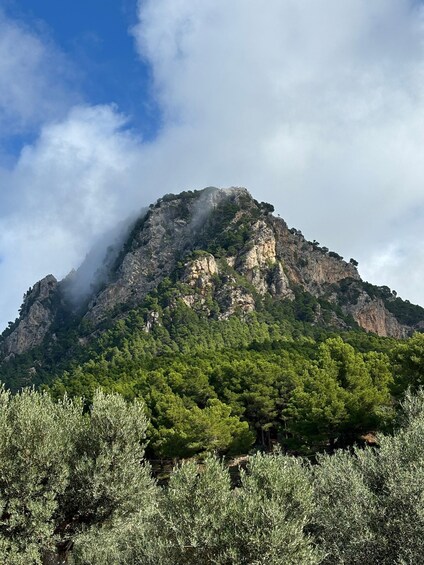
(36, 316)
(373, 316)
(225, 253)
(151, 253)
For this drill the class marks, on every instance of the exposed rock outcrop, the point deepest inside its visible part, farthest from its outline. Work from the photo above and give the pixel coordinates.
(156, 243)
(260, 265)
(199, 272)
(307, 264)
(234, 300)
(372, 315)
(199, 275)
(225, 252)
(36, 316)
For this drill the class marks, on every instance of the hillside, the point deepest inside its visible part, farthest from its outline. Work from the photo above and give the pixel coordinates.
(222, 247)
(223, 320)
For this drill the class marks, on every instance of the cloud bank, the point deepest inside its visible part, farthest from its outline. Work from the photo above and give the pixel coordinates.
(36, 79)
(317, 107)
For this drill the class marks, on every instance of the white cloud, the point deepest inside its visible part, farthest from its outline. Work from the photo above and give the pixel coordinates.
(35, 79)
(79, 179)
(401, 264)
(317, 107)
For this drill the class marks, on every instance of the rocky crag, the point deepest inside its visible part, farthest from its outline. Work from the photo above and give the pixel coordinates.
(226, 254)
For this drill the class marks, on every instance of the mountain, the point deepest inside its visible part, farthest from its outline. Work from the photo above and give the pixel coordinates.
(227, 252)
(232, 328)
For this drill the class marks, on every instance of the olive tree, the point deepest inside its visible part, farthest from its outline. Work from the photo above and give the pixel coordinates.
(67, 477)
(272, 509)
(370, 503)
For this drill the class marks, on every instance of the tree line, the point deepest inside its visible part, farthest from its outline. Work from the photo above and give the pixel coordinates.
(305, 395)
(75, 488)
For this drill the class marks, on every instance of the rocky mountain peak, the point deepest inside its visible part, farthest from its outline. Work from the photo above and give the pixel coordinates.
(225, 253)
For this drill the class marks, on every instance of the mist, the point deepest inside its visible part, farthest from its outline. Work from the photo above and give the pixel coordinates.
(97, 267)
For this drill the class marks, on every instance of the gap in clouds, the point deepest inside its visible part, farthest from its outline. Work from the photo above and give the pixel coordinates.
(94, 35)
(36, 82)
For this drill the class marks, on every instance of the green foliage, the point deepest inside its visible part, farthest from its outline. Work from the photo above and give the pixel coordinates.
(195, 430)
(36, 445)
(262, 521)
(345, 510)
(271, 513)
(403, 310)
(348, 291)
(229, 379)
(11, 326)
(74, 489)
(226, 231)
(408, 361)
(369, 504)
(63, 473)
(343, 393)
(192, 528)
(109, 450)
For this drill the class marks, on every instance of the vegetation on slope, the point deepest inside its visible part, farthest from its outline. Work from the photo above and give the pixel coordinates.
(73, 486)
(216, 376)
(270, 377)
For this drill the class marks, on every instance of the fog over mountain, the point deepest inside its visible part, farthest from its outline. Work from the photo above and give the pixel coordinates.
(315, 107)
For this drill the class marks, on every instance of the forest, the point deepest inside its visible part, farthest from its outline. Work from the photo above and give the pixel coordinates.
(76, 488)
(174, 434)
(329, 427)
(271, 378)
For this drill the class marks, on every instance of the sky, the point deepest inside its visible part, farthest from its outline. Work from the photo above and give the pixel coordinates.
(316, 106)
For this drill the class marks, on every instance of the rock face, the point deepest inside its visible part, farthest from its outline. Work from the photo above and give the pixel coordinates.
(199, 272)
(307, 264)
(36, 317)
(154, 247)
(199, 276)
(372, 315)
(225, 252)
(260, 264)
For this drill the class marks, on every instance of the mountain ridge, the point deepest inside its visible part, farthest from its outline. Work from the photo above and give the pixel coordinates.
(225, 254)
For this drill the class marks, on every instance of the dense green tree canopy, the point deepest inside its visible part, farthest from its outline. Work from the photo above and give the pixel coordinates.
(73, 486)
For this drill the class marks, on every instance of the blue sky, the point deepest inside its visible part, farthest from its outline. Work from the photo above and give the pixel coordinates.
(316, 106)
(94, 36)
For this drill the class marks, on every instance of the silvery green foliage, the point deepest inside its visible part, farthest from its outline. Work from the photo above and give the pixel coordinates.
(110, 490)
(401, 464)
(345, 510)
(204, 520)
(129, 540)
(106, 476)
(70, 478)
(194, 515)
(36, 442)
(201, 519)
(370, 504)
(271, 512)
